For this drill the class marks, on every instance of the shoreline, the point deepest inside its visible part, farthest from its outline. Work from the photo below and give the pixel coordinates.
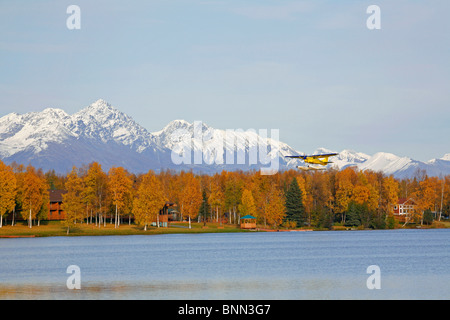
(55, 228)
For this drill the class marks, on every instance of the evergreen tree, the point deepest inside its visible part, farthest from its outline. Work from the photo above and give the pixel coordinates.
(324, 218)
(353, 215)
(295, 211)
(204, 208)
(428, 217)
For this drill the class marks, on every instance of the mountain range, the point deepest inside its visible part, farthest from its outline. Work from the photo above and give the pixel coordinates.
(53, 139)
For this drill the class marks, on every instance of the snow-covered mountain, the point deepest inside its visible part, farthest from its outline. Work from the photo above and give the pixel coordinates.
(213, 150)
(53, 139)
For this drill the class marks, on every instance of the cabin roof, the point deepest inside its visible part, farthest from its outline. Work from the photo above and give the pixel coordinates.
(56, 195)
(404, 200)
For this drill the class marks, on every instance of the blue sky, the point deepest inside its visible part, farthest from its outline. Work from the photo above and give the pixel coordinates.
(309, 68)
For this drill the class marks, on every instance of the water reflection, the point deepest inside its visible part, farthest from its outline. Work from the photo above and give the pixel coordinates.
(312, 288)
(217, 289)
(327, 265)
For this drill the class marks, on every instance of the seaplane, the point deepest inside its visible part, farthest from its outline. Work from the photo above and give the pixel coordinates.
(315, 161)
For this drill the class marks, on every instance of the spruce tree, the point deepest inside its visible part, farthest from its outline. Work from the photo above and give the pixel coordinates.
(204, 208)
(353, 217)
(295, 211)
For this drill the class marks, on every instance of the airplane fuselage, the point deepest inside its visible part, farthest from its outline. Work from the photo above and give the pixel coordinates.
(323, 162)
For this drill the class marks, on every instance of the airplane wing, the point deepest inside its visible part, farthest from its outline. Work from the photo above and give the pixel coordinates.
(315, 156)
(303, 157)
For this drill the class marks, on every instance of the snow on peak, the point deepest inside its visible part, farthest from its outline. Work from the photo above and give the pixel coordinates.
(446, 157)
(353, 154)
(179, 123)
(387, 162)
(101, 120)
(323, 150)
(99, 108)
(55, 113)
(347, 158)
(385, 156)
(183, 125)
(100, 103)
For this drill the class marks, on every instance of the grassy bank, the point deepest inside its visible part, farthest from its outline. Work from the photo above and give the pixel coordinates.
(55, 228)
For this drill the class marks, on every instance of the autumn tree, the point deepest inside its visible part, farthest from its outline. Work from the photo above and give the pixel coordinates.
(233, 194)
(389, 193)
(319, 187)
(361, 191)
(19, 173)
(172, 185)
(94, 194)
(8, 190)
(216, 199)
(425, 197)
(34, 195)
(304, 183)
(149, 200)
(72, 200)
(191, 197)
(247, 205)
(120, 186)
(344, 190)
(261, 187)
(445, 197)
(275, 208)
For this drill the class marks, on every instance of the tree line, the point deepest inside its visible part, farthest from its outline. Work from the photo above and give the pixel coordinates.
(290, 199)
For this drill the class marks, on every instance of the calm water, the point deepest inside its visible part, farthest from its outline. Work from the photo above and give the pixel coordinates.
(414, 264)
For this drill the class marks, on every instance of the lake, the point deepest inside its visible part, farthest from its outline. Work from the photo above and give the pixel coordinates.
(413, 264)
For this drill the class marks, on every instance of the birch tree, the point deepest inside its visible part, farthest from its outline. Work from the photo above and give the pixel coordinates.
(216, 200)
(95, 192)
(191, 198)
(247, 205)
(275, 208)
(34, 189)
(149, 200)
(72, 200)
(120, 186)
(8, 190)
